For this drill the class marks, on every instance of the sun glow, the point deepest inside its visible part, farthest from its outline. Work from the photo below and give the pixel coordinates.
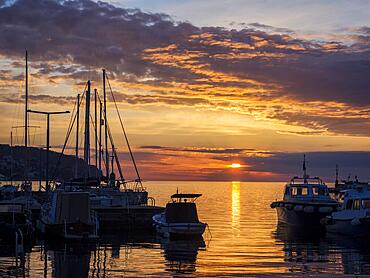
(235, 165)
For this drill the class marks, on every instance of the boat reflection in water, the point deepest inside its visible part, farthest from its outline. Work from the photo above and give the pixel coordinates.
(355, 253)
(315, 252)
(181, 255)
(70, 260)
(304, 251)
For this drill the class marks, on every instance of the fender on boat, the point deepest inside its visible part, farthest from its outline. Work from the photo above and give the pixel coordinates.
(298, 208)
(308, 209)
(289, 206)
(356, 221)
(325, 209)
(328, 220)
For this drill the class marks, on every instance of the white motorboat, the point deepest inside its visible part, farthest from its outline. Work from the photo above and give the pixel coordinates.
(353, 217)
(180, 218)
(306, 201)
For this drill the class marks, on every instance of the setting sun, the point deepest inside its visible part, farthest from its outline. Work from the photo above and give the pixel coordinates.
(235, 165)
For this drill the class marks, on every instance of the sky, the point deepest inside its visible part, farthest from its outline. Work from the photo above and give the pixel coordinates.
(200, 84)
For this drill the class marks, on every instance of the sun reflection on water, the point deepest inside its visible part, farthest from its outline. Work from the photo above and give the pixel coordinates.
(235, 207)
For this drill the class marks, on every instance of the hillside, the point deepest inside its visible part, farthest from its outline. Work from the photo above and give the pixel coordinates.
(17, 157)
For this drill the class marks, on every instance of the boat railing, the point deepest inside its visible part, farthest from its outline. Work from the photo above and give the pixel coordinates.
(151, 201)
(134, 185)
(306, 180)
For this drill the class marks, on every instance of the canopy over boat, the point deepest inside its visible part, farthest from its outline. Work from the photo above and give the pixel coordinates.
(180, 196)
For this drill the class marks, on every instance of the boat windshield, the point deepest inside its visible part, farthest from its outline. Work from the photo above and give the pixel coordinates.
(298, 190)
(365, 203)
(319, 191)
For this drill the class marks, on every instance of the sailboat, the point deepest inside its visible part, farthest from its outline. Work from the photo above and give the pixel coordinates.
(16, 202)
(117, 201)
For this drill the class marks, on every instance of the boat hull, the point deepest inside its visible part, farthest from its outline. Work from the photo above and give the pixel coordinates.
(309, 218)
(178, 230)
(360, 228)
(71, 231)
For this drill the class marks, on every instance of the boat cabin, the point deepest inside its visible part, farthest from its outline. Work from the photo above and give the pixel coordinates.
(356, 201)
(306, 188)
(13, 213)
(68, 207)
(182, 209)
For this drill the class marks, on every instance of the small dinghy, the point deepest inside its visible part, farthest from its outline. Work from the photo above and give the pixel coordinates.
(180, 219)
(353, 217)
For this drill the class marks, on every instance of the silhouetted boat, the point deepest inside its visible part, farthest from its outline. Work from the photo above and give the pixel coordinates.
(353, 218)
(180, 218)
(119, 202)
(15, 221)
(342, 185)
(306, 201)
(68, 215)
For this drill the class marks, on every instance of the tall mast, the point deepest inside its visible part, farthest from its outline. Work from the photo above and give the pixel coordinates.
(11, 157)
(100, 143)
(96, 131)
(87, 129)
(304, 169)
(105, 128)
(26, 108)
(77, 131)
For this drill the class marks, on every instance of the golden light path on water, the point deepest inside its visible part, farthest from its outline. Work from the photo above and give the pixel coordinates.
(235, 207)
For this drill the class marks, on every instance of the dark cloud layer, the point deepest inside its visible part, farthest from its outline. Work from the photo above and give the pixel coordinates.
(258, 70)
(86, 33)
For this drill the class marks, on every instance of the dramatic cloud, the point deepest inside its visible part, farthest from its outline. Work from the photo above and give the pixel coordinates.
(269, 76)
(247, 71)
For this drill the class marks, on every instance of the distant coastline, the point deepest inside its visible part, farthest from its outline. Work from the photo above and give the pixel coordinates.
(34, 160)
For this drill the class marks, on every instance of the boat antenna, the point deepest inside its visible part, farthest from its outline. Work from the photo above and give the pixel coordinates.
(336, 175)
(304, 169)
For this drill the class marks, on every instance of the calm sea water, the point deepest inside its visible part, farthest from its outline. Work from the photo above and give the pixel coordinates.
(243, 240)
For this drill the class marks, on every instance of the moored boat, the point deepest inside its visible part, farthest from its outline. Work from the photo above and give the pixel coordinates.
(353, 217)
(306, 201)
(68, 216)
(15, 221)
(180, 218)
